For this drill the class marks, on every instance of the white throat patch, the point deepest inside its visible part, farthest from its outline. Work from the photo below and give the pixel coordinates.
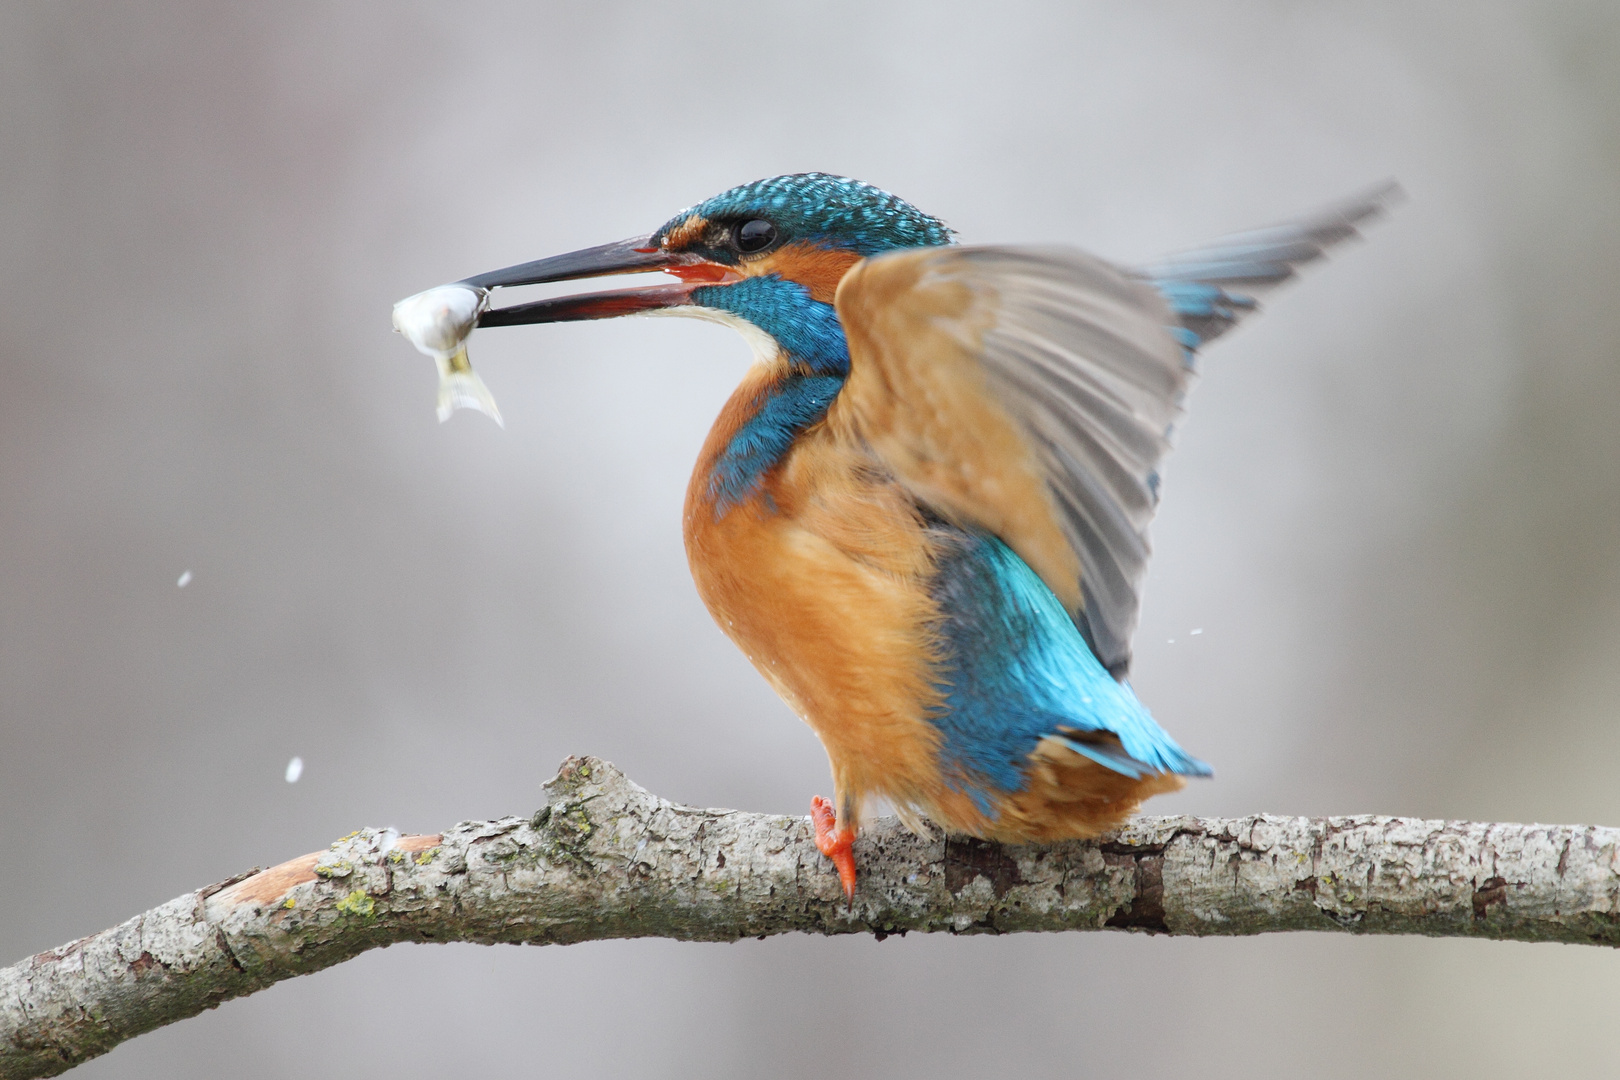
(767, 350)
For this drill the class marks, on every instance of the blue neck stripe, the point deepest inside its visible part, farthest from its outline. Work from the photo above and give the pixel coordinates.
(809, 334)
(806, 329)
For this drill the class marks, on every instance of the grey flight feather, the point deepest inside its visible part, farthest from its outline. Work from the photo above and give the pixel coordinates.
(1080, 356)
(1094, 361)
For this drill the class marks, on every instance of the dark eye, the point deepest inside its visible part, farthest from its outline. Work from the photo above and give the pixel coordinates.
(755, 235)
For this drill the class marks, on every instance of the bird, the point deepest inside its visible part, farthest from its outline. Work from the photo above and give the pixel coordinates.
(923, 514)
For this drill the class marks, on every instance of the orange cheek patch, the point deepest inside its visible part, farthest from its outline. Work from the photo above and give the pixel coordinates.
(818, 269)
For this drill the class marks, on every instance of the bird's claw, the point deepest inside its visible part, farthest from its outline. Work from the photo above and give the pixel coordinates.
(838, 845)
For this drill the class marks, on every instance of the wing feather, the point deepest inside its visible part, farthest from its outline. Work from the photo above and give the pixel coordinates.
(1030, 392)
(1068, 354)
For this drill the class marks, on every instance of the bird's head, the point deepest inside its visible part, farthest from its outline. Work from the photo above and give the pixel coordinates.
(765, 256)
(807, 227)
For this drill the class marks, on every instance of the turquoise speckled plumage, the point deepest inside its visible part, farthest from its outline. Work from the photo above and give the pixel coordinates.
(923, 515)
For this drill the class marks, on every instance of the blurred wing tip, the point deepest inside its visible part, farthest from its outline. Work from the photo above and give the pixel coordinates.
(1271, 254)
(1385, 195)
(1343, 220)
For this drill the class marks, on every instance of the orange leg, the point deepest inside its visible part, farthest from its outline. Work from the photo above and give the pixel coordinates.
(837, 846)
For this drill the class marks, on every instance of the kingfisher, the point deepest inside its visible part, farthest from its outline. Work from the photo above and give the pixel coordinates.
(923, 515)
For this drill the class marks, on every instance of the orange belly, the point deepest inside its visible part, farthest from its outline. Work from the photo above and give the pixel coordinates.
(820, 577)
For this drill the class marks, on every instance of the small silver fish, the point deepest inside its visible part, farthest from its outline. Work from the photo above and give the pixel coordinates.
(438, 322)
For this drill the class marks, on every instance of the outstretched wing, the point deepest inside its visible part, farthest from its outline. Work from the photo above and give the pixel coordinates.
(1029, 392)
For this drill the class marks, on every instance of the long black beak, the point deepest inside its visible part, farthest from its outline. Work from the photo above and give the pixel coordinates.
(638, 255)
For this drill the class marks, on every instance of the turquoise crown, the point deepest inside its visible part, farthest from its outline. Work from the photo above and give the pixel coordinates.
(833, 211)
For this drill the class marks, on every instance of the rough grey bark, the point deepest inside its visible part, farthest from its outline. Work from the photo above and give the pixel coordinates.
(606, 859)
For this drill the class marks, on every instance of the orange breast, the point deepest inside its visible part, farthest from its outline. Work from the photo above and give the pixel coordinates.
(820, 577)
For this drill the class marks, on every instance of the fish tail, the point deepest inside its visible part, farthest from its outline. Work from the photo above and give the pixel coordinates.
(461, 388)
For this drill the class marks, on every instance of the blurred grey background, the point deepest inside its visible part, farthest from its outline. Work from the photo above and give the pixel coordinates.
(1394, 511)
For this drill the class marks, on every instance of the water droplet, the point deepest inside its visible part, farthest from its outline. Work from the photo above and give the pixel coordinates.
(185, 579)
(1199, 630)
(295, 769)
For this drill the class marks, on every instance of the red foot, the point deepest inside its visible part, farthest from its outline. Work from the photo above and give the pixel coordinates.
(837, 846)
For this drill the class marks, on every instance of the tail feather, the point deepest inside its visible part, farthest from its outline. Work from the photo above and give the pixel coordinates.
(1154, 751)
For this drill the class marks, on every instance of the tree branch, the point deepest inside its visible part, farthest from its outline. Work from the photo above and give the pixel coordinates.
(606, 859)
